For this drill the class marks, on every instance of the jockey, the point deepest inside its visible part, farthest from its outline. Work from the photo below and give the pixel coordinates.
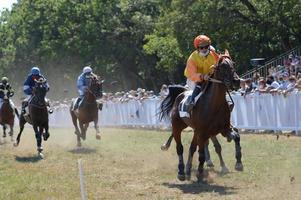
(5, 86)
(28, 85)
(82, 84)
(199, 65)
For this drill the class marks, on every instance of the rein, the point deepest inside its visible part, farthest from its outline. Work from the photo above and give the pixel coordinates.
(213, 80)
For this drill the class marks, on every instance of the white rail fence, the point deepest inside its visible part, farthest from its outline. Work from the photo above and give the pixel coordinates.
(264, 112)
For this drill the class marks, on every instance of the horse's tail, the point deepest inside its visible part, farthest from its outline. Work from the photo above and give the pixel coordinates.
(17, 113)
(167, 103)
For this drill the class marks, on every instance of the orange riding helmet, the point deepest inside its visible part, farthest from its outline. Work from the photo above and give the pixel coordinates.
(201, 40)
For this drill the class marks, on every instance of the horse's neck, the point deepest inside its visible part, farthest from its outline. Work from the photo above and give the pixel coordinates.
(6, 105)
(89, 98)
(216, 93)
(36, 99)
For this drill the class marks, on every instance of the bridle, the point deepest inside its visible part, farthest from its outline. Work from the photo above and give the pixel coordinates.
(213, 80)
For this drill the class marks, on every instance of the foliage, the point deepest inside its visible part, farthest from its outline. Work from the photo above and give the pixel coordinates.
(137, 42)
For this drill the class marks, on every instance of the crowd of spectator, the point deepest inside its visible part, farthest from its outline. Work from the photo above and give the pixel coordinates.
(140, 94)
(281, 79)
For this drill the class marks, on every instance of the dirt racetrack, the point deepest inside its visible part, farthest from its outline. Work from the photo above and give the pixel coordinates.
(128, 164)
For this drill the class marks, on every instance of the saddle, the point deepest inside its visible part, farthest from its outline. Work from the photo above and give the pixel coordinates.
(184, 106)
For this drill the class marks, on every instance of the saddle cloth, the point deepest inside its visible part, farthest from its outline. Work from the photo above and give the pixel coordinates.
(183, 105)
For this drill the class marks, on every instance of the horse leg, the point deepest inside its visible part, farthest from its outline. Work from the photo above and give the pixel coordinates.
(97, 129)
(11, 132)
(82, 130)
(46, 133)
(77, 132)
(4, 130)
(22, 122)
(192, 149)
(236, 137)
(207, 155)
(86, 125)
(177, 136)
(38, 135)
(201, 144)
(74, 121)
(166, 145)
(218, 150)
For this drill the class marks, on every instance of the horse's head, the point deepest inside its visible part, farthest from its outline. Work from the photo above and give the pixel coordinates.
(225, 72)
(6, 94)
(95, 86)
(40, 89)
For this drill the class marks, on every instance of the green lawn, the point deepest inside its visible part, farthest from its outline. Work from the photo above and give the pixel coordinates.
(128, 164)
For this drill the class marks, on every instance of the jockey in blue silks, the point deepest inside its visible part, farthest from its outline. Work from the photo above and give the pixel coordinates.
(34, 75)
(82, 85)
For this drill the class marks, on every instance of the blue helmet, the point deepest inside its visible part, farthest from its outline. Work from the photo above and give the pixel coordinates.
(35, 71)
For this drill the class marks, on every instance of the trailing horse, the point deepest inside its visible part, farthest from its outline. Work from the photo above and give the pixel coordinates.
(38, 115)
(209, 117)
(7, 113)
(88, 109)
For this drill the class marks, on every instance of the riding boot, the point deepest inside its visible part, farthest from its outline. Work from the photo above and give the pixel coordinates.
(191, 100)
(76, 103)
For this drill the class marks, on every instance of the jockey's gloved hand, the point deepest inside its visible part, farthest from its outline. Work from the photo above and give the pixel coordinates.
(206, 77)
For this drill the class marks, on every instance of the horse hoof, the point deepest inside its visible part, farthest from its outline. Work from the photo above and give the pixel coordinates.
(40, 155)
(188, 177)
(224, 170)
(16, 144)
(45, 136)
(210, 163)
(202, 181)
(239, 167)
(164, 147)
(98, 136)
(181, 177)
(200, 177)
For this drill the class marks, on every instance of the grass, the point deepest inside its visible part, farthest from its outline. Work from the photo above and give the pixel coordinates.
(128, 164)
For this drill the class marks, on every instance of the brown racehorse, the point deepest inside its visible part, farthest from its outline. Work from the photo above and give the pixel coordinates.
(88, 109)
(7, 113)
(38, 115)
(210, 116)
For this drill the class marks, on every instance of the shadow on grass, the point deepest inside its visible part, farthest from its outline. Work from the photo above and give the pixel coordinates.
(196, 188)
(27, 159)
(82, 150)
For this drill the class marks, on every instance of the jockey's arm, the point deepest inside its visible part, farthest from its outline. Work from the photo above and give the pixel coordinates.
(192, 72)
